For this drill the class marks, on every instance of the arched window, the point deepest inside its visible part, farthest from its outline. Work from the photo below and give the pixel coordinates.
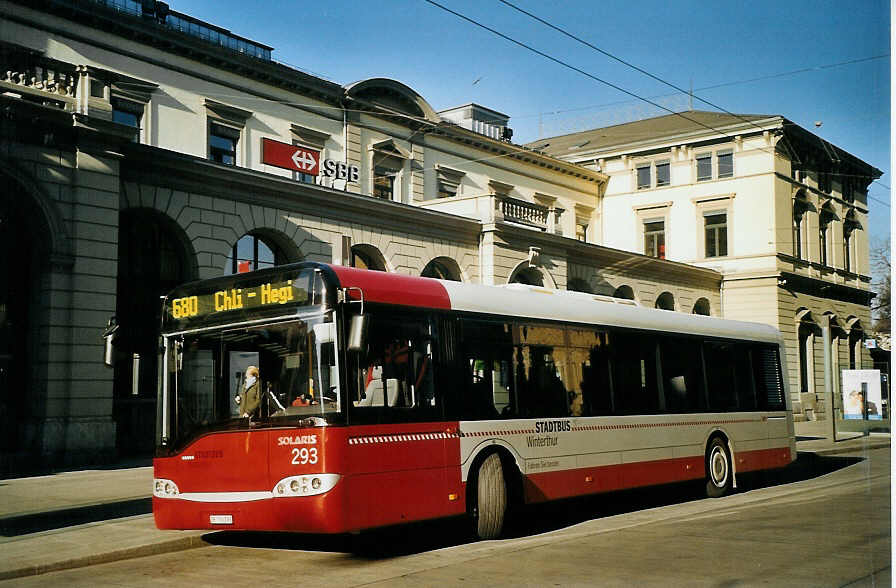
(579, 285)
(252, 252)
(701, 307)
(824, 222)
(529, 276)
(854, 343)
(368, 257)
(850, 224)
(442, 268)
(625, 292)
(665, 301)
(154, 256)
(806, 329)
(800, 206)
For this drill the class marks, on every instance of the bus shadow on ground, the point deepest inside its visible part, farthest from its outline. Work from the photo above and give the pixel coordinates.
(417, 538)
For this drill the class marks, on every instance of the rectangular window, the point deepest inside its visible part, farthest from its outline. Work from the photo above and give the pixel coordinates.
(725, 163)
(486, 389)
(643, 176)
(542, 375)
(848, 190)
(655, 239)
(384, 183)
(222, 143)
(704, 167)
(663, 177)
(682, 382)
(767, 375)
(847, 253)
(127, 112)
(716, 230)
(798, 235)
(729, 377)
(591, 364)
(447, 190)
(634, 373)
(97, 89)
(581, 231)
(394, 375)
(823, 243)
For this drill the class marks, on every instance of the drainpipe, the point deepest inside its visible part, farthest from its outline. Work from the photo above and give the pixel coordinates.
(828, 385)
(345, 142)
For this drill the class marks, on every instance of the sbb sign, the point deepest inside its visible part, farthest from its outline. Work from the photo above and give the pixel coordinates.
(307, 161)
(292, 157)
(340, 170)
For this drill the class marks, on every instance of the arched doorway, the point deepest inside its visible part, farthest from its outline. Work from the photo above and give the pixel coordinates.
(368, 257)
(259, 250)
(154, 256)
(24, 252)
(529, 276)
(443, 268)
(701, 307)
(624, 292)
(665, 301)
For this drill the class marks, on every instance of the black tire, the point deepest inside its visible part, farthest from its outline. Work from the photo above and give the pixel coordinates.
(491, 498)
(719, 472)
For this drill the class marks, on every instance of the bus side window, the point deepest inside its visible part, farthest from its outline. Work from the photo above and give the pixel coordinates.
(488, 389)
(682, 373)
(397, 371)
(634, 373)
(597, 388)
(767, 375)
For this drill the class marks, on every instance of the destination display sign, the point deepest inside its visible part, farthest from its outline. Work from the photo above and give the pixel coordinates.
(243, 297)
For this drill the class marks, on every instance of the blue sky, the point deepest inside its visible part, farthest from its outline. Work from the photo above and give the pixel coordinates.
(804, 44)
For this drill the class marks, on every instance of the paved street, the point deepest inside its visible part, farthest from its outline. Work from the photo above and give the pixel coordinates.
(826, 522)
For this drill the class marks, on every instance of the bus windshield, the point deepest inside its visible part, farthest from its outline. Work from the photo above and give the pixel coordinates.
(249, 377)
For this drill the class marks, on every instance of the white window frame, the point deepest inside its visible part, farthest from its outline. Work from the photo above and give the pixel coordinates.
(713, 155)
(229, 117)
(653, 179)
(703, 207)
(653, 213)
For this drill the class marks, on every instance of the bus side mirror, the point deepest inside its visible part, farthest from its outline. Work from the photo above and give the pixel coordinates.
(109, 343)
(357, 336)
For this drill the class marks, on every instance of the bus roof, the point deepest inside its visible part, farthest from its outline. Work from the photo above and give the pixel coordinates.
(540, 303)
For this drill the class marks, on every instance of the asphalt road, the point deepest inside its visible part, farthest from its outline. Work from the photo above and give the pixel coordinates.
(823, 522)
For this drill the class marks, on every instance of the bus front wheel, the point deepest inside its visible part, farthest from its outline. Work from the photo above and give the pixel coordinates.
(718, 468)
(491, 498)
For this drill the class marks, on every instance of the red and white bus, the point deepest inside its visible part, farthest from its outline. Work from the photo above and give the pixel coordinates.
(370, 399)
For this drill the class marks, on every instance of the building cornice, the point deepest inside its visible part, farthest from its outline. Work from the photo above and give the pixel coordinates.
(797, 283)
(612, 260)
(718, 134)
(145, 164)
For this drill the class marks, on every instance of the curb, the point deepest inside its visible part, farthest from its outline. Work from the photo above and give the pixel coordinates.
(179, 544)
(46, 520)
(877, 444)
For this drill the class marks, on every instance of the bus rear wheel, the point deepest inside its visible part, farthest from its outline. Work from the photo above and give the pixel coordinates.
(718, 468)
(491, 498)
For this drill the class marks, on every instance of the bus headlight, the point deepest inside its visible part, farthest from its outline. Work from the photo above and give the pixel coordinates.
(309, 485)
(162, 488)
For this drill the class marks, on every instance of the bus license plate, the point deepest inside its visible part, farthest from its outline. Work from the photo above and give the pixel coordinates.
(225, 519)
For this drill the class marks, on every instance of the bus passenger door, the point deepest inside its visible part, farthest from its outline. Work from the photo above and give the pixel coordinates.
(397, 457)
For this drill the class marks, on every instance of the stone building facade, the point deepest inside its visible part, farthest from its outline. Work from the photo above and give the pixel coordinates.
(133, 158)
(781, 213)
